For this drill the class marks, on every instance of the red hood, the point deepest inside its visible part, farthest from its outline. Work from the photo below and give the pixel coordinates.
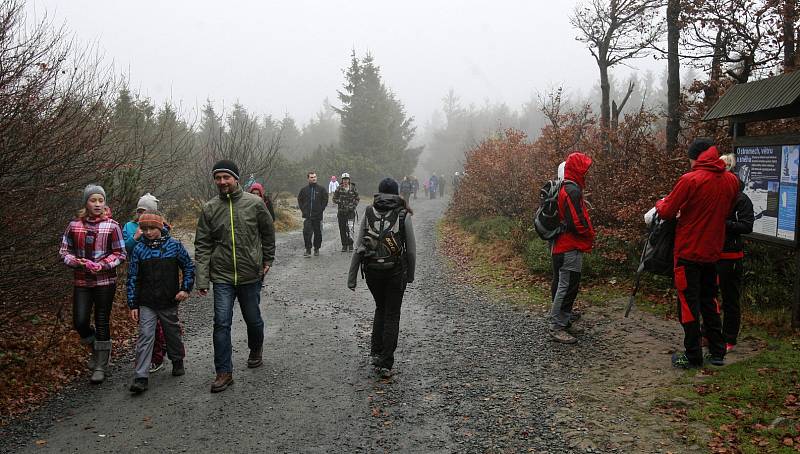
(709, 160)
(258, 186)
(576, 167)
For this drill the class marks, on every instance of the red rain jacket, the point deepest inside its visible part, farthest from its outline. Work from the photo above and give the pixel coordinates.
(701, 200)
(579, 234)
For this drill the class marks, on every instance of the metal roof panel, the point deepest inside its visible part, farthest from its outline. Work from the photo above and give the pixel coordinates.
(760, 95)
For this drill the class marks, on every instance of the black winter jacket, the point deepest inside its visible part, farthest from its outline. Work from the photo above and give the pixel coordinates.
(312, 201)
(739, 222)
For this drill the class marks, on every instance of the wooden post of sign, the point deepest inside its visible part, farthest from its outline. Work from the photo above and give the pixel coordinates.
(796, 302)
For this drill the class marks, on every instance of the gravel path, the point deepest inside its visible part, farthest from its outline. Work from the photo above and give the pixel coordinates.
(471, 375)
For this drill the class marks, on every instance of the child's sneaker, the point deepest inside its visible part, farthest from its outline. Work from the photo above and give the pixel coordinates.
(714, 360)
(730, 347)
(156, 367)
(681, 361)
(177, 368)
(139, 385)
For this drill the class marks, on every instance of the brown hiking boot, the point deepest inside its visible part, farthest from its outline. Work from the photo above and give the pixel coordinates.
(222, 382)
(563, 337)
(575, 330)
(254, 360)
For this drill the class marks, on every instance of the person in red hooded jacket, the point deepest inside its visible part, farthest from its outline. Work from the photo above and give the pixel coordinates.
(569, 247)
(701, 201)
(258, 189)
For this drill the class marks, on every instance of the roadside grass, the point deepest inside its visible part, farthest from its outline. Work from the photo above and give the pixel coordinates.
(746, 407)
(751, 406)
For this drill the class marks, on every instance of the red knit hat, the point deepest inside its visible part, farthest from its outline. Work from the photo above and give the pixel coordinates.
(152, 219)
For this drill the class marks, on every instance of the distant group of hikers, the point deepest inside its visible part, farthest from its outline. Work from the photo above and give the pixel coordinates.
(234, 251)
(711, 214)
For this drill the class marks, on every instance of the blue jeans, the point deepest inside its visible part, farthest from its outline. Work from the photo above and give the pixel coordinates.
(249, 296)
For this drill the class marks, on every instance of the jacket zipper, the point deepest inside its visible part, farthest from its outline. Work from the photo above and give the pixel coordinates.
(233, 240)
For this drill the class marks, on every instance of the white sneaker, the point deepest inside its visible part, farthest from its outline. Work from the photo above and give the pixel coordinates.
(156, 367)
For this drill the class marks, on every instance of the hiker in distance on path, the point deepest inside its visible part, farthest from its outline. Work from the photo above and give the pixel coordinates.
(234, 250)
(386, 254)
(568, 248)
(258, 189)
(312, 201)
(93, 246)
(730, 265)
(332, 185)
(154, 289)
(346, 199)
(132, 234)
(704, 197)
(433, 186)
(406, 188)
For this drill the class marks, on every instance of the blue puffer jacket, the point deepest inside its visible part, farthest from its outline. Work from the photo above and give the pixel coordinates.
(153, 272)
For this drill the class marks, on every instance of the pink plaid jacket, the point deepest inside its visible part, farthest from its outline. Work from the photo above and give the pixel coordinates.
(98, 240)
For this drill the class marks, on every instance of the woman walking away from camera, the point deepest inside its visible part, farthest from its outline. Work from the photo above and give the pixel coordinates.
(386, 254)
(729, 267)
(93, 246)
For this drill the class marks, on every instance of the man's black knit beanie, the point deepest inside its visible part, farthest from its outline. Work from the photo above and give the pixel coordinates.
(699, 145)
(227, 166)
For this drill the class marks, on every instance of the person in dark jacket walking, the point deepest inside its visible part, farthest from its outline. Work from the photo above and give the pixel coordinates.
(93, 247)
(568, 248)
(387, 221)
(154, 289)
(729, 267)
(704, 198)
(234, 249)
(346, 199)
(312, 201)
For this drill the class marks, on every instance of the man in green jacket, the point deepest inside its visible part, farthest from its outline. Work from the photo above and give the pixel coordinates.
(234, 249)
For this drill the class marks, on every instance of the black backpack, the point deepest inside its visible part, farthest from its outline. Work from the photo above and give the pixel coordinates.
(384, 246)
(546, 221)
(657, 256)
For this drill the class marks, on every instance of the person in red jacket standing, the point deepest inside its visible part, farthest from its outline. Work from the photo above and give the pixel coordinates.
(701, 201)
(568, 248)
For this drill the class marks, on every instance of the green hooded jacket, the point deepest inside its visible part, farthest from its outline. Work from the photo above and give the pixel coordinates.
(235, 239)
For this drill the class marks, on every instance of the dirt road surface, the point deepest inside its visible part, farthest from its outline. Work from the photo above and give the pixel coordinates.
(472, 375)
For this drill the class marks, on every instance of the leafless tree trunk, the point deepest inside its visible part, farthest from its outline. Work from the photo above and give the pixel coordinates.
(673, 74)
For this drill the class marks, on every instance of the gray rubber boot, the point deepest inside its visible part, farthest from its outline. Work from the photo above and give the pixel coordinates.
(103, 351)
(89, 341)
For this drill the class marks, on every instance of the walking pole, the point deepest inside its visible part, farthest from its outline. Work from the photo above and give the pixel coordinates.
(638, 280)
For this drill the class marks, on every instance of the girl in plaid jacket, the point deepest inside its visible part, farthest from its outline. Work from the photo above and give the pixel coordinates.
(93, 247)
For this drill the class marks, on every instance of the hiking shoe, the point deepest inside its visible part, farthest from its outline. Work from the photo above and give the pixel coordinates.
(344, 248)
(681, 361)
(714, 360)
(730, 347)
(383, 372)
(350, 248)
(156, 367)
(563, 337)
(254, 360)
(139, 385)
(316, 252)
(222, 382)
(574, 330)
(307, 253)
(177, 368)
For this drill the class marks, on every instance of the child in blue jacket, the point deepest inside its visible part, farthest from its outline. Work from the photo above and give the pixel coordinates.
(155, 288)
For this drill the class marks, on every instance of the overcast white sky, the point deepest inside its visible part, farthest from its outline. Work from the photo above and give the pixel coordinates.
(280, 57)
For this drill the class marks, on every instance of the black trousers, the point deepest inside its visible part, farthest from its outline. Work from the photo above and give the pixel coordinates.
(312, 228)
(101, 300)
(387, 289)
(344, 228)
(730, 285)
(697, 303)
